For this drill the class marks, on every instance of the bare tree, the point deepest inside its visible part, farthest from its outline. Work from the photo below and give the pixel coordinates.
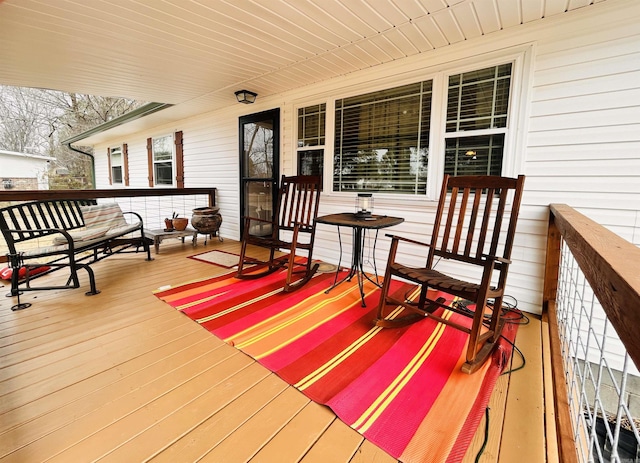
(23, 121)
(37, 120)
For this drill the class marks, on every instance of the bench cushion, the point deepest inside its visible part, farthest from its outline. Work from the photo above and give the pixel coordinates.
(99, 220)
(103, 216)
(82, 234)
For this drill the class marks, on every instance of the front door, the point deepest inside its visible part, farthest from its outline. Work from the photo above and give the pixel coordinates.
(259, 167)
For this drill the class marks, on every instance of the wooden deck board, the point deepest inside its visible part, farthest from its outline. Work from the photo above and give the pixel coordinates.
(181, 420)
(79, 397)
(338, 443)
(258, 430)
(121, 376)
(524, 414)
(296, 438)
(221, 424)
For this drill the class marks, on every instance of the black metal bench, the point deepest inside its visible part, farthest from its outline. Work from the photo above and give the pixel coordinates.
(82, 232)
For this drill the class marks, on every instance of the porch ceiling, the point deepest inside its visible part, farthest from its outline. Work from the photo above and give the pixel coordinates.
(196, 53)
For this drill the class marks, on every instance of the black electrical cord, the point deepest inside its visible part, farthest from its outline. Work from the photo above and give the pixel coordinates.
(515, 348)
(517, 318)
(486, 434)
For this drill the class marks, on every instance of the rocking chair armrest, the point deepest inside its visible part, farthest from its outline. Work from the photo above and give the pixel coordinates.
(502, 260)
(407, 240)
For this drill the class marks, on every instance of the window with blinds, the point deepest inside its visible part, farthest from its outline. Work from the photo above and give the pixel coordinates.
(163, 159)
(476, 126)
(382, 140)
(116, 164)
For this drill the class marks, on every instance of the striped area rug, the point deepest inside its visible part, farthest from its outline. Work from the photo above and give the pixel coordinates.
(400, 388)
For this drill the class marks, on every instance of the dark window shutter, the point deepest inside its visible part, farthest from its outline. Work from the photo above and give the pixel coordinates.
(125, 163)
(179, 160)
(150, 158)
(109, 162)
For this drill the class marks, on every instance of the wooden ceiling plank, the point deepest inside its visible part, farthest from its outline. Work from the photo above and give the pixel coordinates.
(375, 51)
(352, 21)
(415, 36)
(432, 32)
(388, 46)
(324, 15)
(531, 10)
(362, 55)
(388, 12)
(449, 26)
(412, 9)
(368, 15)
(345, 54)
(401, 42)
(554, 7)
(509, 12)
(467, 20)
(488, 17)
(433, 6)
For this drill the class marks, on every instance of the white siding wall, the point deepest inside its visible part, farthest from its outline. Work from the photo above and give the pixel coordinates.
(580, 135)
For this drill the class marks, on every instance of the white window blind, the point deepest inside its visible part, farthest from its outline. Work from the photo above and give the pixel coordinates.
(382, 139)
(477, 122)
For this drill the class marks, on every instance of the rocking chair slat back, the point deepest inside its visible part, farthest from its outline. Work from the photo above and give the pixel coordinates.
(296, 211)
(472, 215)
(299, 200)
(468, 232)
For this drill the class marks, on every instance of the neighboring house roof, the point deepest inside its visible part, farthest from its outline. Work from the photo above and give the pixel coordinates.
(14, 165)
(195, 55)
(41, 157)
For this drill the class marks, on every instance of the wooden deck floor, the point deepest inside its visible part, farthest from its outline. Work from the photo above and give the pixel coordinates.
(123, 377)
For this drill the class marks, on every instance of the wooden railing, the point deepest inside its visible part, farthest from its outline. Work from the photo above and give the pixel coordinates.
(611, 266)
(8, 196)
(34, 195)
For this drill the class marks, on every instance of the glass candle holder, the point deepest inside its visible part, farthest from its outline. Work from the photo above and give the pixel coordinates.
(364, 205)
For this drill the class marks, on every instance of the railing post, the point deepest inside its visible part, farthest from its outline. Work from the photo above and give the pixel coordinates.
(552, 264)
(564, 427)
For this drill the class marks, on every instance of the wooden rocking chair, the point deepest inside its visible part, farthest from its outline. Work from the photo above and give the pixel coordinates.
(296, 212)
(468, 231)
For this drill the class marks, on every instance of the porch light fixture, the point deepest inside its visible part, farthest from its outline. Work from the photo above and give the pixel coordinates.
(246, 97)
(364, 205)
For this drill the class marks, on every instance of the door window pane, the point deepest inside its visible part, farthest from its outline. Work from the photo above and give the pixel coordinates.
(258, 149)
(259, 204)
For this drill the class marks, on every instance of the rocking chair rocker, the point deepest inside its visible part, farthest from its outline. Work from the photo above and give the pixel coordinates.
(467, 231)
(296, 212)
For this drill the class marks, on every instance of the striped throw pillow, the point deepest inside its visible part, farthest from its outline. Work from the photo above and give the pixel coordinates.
(103, 216)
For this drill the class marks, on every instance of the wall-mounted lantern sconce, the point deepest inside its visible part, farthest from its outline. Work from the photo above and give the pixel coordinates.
(246, 97)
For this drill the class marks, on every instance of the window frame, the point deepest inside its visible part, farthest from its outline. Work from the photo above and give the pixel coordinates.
(321, 148)
(112, 165)
(171, 137)
(520, 56)
(392, 84)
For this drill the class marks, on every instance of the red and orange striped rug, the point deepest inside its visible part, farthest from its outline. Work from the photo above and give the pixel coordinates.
(400, 388)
